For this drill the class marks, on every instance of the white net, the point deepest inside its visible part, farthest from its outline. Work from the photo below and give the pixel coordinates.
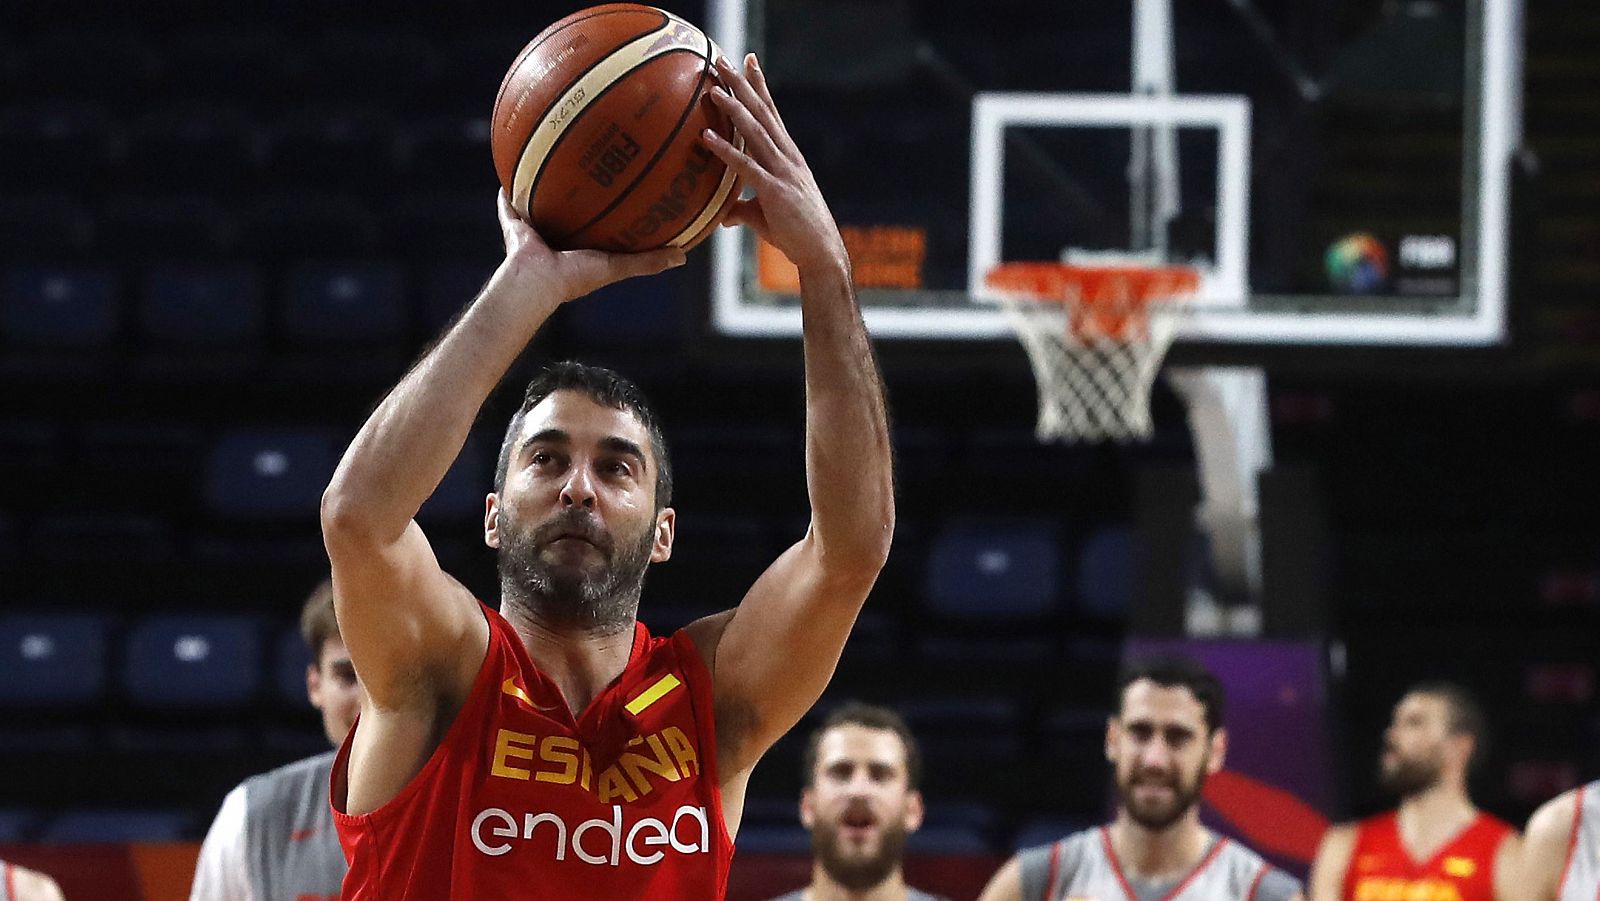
(1095, 339)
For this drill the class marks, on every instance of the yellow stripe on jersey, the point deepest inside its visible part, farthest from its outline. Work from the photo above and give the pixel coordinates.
(652, 694)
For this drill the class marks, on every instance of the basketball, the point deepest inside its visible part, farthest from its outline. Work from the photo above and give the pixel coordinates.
(596, 132)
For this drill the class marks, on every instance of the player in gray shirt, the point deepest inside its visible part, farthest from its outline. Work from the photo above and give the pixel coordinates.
(1561, 853)
(861, 799)
(273, 839)
(1164, 740)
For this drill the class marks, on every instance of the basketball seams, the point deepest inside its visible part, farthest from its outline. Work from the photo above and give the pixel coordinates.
(666, 144)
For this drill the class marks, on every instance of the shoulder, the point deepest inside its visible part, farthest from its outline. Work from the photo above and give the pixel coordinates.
(1556, 819)
(916, 895)
(1342, 836)
(32, 884)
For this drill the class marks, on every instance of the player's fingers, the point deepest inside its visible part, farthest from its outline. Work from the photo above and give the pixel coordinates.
(603, 268)
(739, 86)
(758, 141)
(758, 80)
(502, 206)
(743, 166)
(746, 212)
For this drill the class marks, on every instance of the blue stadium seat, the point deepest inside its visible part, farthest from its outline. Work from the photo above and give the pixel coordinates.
(936, 839)
(59, 145)
(449, 151)
(332, 147)
(57, 307)
(177, 661)
(43, 227)
(968, 650)
(266, 473)
(457, 225)
(192, 147)
(52, 659)
(92, 539)
(965, 814)
(994, 569)
(1108, 573)
(774, 839)
(446, 289)
(203, 306)
(633, 312)
(1044, 830)
(17, 826)
(289, 670)
(460, 495)
(301, 226)
(965, 728)
(345, 303)
(115, 826)
(136, 228)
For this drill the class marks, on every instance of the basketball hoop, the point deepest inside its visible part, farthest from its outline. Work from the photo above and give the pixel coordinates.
(1095, 336)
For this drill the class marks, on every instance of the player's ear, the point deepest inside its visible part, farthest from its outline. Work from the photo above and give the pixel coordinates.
(915, 810)
(666, 530)
(808, 810)
(491, 520)
(314, 684)
(1219, 751)
(1113, 734)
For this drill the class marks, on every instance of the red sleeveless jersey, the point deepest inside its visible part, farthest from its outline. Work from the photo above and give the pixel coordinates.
(522, 801)
(1381, 869)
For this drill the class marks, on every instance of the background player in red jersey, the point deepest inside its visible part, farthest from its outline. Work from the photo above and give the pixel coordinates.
(1436, 845)
(581, 513)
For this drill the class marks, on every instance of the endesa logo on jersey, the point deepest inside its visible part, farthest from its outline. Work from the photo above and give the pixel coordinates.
(597, 842)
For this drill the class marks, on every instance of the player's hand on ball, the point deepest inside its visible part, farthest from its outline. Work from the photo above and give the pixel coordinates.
(574, 273)
(788, 210)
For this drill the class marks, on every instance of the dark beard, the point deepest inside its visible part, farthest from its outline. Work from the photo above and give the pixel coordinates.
(858, 873)
(600, 601)
(1409, 777)
(1159, 818)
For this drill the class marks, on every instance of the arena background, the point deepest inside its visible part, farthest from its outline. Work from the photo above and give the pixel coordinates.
(226, 228)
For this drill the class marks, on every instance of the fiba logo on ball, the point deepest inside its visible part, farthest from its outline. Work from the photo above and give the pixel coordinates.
(1357, 264)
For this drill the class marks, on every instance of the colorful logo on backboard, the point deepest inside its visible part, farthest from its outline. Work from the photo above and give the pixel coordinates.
(1357, 264)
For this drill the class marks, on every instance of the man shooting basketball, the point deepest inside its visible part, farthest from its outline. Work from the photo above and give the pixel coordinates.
(1163, 741)
(554, 749)
(1437, 844)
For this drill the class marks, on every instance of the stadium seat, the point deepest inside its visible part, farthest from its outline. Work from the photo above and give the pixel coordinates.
(937, 839)
(967, 729)
(633, 312)
(970, 815)
(994, 569)
(57, 307)
(115, 826)
(760, 838)
(460, 495)
(1108, 573)
(447, 287)
(459, 225)
(1044, 830)
(17, 826)
(289, 226)
(371, 65)
(289, 668)
(43, 227)
(92, 539)
(137, 228)
(266, 473)
(331, 147)
(191, 147)
(204, 307)
(345, 304)
(450, 151)
(8, 542)
(240, 65)
(52, 659)
(54, 145)
(193, 661)
(714, 562)
(969, 650)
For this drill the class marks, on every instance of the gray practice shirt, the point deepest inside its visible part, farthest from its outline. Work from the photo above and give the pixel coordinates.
(1084, 865)
(1581, 880)
(273, 839)
(911, 895)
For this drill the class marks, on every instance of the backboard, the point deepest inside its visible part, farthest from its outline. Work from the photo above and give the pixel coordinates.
(1338, 171)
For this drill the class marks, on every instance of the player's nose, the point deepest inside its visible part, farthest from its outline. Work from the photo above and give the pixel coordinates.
(578, 491)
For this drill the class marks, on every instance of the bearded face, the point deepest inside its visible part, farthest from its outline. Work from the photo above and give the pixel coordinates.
(860, 806)
(1156, 797)
(1162, 750)
(1414, 745)
(572, 572)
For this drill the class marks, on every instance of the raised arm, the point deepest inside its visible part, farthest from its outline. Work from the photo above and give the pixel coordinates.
(414, 633)
(773, 655)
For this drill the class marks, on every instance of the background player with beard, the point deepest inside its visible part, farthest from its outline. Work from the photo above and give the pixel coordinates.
(1436, 844)
(862, 797)
(1166, 737)
(492, 745)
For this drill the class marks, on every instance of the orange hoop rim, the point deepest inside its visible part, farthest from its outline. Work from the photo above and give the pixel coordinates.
(1106, 301)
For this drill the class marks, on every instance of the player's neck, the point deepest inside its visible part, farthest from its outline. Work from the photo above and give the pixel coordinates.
(580, 662)
(1152, 855)
(824, 888)
(1430, 818)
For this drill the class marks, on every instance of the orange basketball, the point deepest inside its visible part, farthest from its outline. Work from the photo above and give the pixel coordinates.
(596, 132)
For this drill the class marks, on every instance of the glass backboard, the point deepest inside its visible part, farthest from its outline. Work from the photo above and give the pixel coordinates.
(1337, 171)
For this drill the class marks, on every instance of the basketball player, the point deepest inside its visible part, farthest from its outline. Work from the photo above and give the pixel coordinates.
(554, 749)
(1561, 851)
(273, 839)
(22, 884)
(1166, 737)
(862, 797)
(1436, 844)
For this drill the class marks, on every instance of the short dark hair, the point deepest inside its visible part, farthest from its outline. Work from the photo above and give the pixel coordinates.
(1177, 672)
(1466, 714)
(867, 716)
(318, 623)
(604, 387)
